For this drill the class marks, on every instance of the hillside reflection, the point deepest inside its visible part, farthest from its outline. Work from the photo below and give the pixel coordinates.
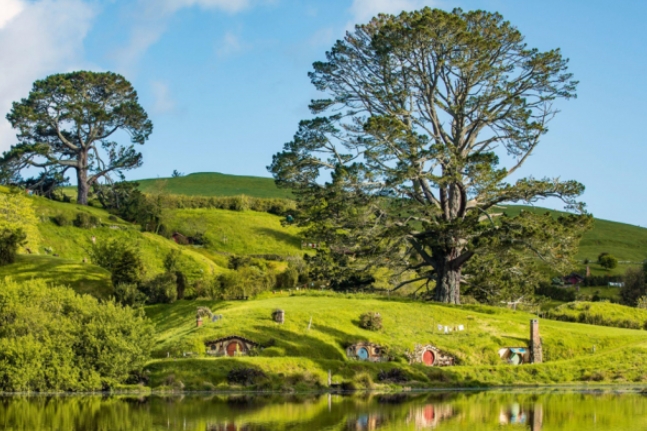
(451, 411)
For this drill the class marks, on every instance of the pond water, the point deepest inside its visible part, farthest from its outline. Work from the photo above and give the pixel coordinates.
(472, 411)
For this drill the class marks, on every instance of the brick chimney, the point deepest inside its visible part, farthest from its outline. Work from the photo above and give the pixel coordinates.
(536, 354)
(198, 321)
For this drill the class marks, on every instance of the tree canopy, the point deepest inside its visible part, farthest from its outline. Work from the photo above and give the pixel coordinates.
(427, 119)
(70, 121)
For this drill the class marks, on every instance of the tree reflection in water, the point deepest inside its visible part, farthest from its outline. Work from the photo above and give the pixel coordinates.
(451, 411)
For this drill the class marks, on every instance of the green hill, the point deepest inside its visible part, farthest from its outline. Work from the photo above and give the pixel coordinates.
(215, 184)
(300, 353)
(626, 242)
(63, 254)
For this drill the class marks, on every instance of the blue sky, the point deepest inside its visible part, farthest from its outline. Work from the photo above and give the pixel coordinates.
(225, 81)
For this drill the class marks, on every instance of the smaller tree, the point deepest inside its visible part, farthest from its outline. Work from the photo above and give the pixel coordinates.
(607, 261)
(121, 259)
(634, 286)
(10, 242)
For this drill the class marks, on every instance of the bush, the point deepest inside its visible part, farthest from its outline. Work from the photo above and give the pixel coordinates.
(129, 294)
(634, 286)
(85, 221)
(371, 321)
(245, 376)
(161, 289)
(61, 220)
(287, 279)
(120, 258)
(392, 375)
(555, 292)
(242, 284)
(607, 261)
(10, 242)
(76, 344)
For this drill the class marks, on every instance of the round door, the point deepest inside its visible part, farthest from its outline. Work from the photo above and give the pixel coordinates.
(362, 353)
(428, 358)
(234, 347)
(515, 359)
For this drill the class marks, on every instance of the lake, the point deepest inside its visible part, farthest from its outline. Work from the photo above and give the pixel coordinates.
(473, 411)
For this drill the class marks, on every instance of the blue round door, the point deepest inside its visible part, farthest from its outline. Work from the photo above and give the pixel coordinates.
(362, 353)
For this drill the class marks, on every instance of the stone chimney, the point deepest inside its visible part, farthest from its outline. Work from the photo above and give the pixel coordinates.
(536, 354)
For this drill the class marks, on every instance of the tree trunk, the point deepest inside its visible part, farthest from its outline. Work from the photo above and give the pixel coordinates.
(448, 282)
(83, 188)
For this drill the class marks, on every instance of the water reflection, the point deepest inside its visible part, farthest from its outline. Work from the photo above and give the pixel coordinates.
(451, 411)
(430, 415)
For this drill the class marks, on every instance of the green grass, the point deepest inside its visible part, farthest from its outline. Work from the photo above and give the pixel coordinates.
(215, 184)
(82, 277)
(229, 232)
(73, 244)
(298, 352)
(239, 232)
(601, 313)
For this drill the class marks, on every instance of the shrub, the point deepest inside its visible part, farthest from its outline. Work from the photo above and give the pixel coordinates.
(120, 258)
(634, 286)
(245, 376)
(555, 292)
(161, 289)
(242, 284)
(10, 242)
(79, 343)
(371, 321)
(363, 381)
(129, 294)
(642, 302)
(85, 221)
(61, 220)
(392, 375)
(607, 261)
(287, 279)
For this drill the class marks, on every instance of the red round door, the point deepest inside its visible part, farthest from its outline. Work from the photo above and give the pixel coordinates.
(428, 358)
(234, 347)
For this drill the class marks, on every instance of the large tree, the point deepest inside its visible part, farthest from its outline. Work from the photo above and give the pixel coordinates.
(402, 166)
(70, 121)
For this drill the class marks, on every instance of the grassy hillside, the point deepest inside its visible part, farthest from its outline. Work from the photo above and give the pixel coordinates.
(626, 242)
(215, 184)
(239, 232)
(63, 255)
(298, 352)
(82, 277)
(601, 313)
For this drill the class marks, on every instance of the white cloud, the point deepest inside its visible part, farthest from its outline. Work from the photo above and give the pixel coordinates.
(363, 10)
(163, 102)
(38, 38)
(9, 10)
(152, 21)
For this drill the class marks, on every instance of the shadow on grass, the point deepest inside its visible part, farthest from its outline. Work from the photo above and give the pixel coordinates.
(82, 277)
(282, 237)
(297, 344)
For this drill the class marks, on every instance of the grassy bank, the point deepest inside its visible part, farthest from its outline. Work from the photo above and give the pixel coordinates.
(300, 357)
